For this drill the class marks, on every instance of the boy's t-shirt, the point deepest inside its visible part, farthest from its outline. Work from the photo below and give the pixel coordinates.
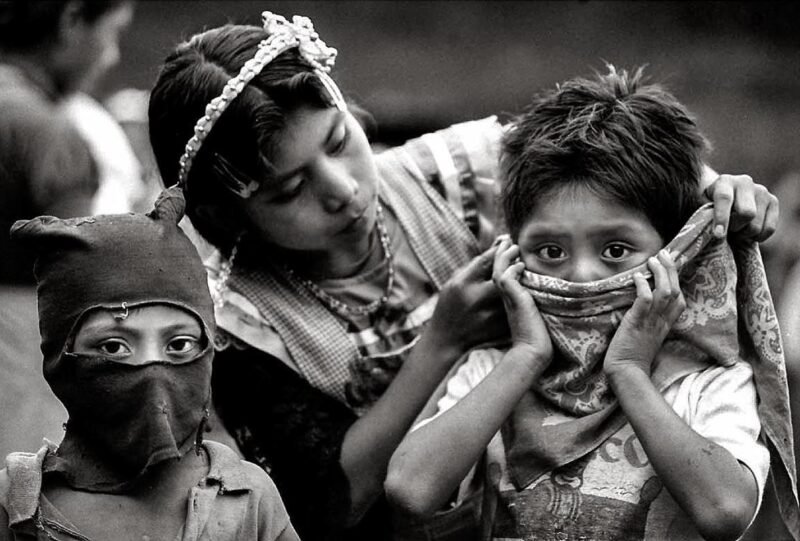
(237, 500)
(613, 492)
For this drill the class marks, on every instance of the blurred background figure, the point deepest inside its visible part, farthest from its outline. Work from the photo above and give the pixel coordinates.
(49, 51)
(119, 172)
(782, 250)
(128, 106)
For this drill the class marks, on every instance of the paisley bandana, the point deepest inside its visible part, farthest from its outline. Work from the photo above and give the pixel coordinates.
(729, 316)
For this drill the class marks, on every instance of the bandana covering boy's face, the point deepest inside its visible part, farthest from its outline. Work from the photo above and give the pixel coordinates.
(124, 417)
(575, 237)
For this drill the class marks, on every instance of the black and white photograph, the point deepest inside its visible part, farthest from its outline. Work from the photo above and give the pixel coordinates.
(399, 270)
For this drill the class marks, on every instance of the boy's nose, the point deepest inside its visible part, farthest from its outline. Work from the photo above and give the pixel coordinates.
(586, 270)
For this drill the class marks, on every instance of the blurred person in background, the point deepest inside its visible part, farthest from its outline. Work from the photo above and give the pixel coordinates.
(120, 175)
(128, 106)
(782, 250)
(48, 51)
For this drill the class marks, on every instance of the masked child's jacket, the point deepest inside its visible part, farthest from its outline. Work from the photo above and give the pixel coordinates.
(233, 492)
(569, 461)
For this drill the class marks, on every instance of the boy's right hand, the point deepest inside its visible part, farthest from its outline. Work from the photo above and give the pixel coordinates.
(528, 329)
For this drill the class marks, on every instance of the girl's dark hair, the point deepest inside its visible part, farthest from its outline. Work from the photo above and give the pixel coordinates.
(244, 137)
(25, 24)
(626, 141)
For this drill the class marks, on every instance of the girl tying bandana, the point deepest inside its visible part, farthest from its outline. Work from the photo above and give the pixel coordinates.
(644, 394)
(346, 282)
(127, 325)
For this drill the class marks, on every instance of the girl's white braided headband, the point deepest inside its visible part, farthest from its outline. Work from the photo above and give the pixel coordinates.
(283, 35)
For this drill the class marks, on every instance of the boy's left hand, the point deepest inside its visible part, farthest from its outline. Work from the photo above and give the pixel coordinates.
(742, 207)
(645, 326)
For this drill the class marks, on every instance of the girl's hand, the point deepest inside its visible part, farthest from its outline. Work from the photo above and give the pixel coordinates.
(527, 326)
(743, 207)
(645, 326)
(469, 311)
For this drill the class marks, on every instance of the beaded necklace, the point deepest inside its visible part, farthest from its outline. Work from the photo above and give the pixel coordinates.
(343, 309)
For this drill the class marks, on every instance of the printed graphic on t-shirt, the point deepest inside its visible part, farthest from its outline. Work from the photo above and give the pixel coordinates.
(611, 494)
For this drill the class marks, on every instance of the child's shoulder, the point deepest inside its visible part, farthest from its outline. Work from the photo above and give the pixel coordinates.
(237, 476)
(233, 473)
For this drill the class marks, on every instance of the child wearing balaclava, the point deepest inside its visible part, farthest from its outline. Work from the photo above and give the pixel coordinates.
(127, 327)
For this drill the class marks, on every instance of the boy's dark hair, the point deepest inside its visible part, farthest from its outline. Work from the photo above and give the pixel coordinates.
(630, 142)
(26, 24)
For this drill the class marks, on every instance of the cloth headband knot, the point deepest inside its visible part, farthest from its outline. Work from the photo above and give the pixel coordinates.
(283, 35)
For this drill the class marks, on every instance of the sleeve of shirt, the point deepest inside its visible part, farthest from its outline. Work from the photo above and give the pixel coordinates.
(462, 163)
(720, 404)
(58, 161)
(478, 364)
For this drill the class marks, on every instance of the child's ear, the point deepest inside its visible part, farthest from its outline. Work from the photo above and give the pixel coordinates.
(47, 233)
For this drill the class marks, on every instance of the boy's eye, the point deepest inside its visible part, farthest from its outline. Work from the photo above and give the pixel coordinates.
(616, 251)
(183, 345)
(550, 251)
(114, 348)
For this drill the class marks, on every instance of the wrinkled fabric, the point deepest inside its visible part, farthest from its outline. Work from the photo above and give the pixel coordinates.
(122, 419)
(103, 261)
(322, 351)
(729, 316)
(236, 500)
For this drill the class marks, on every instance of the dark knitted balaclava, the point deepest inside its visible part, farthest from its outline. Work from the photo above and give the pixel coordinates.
(123, 418)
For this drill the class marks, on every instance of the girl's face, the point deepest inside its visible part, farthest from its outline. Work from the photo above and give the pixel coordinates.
(576, 236)
(156, 332)
(324, 195)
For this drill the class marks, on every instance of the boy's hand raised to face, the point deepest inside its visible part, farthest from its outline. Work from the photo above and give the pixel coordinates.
(646, 324)
(527, 326)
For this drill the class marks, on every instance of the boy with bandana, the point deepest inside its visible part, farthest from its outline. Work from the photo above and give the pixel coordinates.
(127, 329)
(623, 409)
